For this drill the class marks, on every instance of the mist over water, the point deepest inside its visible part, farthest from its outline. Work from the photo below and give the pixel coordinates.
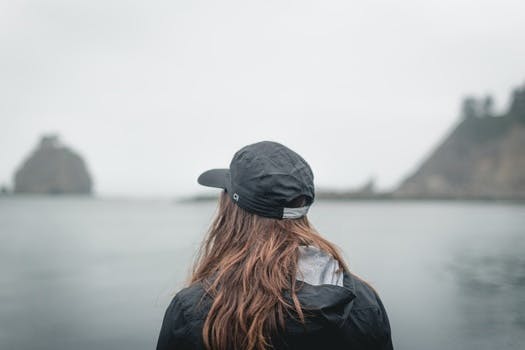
(91, 273)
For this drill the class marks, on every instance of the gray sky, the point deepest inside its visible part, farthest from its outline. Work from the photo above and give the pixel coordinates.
(151, 93)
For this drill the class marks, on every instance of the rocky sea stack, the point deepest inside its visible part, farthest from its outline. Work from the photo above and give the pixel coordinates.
(483, 156)
(53, 169)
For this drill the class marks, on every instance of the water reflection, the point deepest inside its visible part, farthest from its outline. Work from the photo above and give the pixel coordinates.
(491, 292)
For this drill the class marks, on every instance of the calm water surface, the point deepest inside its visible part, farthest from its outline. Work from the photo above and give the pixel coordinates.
(79, 273)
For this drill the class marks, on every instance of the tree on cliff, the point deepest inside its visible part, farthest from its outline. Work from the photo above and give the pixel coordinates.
(482, 157)
(469, 108)
(487, 108)
(472, 107)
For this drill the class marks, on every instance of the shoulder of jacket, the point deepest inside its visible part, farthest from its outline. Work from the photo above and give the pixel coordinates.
(182, 324)
(368, 313)
(366, 295)
(193, 302)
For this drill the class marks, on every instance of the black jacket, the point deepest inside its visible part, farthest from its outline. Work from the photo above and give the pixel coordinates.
(350, 316)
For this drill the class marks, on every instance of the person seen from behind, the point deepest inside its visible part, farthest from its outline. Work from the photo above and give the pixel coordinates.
(264, 278)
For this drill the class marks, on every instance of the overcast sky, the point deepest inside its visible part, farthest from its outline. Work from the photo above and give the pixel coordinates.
(151, 93)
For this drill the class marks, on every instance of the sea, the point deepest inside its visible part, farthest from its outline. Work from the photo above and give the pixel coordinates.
(98, 273)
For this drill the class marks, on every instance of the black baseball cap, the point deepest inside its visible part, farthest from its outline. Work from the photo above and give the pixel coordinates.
(265, 178)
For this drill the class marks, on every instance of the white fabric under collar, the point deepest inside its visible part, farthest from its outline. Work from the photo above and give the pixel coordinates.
(317, 267)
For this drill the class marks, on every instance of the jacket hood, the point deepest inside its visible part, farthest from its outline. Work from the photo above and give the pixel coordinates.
(325, 292)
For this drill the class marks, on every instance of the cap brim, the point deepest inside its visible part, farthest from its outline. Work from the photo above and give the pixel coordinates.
(214, 178)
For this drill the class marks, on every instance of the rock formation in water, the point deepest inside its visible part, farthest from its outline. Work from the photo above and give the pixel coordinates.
(53, 169)
(483, 156)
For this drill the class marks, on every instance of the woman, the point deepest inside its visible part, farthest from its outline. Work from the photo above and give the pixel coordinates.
(264, 278)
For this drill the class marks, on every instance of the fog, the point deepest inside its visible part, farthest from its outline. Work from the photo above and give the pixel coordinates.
(153, 92)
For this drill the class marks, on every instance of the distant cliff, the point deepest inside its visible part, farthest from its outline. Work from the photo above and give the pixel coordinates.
(53, 169)
(483, 156)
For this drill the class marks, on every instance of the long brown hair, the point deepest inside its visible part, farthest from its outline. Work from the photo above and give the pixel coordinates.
(245, 263)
